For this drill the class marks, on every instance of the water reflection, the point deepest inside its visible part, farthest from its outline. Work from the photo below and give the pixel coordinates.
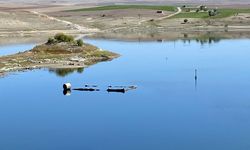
(202, 40)
(67, 92)
(63, 72)
(164, 113)
(208, 40)
(201, 37)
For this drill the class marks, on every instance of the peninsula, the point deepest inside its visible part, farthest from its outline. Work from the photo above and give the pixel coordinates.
(61, 51)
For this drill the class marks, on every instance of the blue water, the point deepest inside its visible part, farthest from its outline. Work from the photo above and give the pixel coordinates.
(168, 111)
(15, 48)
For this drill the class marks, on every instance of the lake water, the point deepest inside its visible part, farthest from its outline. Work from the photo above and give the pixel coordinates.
(169, 110)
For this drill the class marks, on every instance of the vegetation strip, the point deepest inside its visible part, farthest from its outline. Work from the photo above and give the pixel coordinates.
(222, 13)
(117, 7)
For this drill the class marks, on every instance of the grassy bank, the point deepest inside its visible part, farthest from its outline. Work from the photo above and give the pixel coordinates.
(223, 13)
(117, 7)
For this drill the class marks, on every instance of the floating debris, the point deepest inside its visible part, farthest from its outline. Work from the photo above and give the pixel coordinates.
(87, 85)
(121, 89)
(67, 86)
(86, 89)
(129, 87)
(116, 90)
(91, 88)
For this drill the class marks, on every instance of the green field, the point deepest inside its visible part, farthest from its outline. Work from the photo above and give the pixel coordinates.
(117, 7)
(223, 13)
(191, 15)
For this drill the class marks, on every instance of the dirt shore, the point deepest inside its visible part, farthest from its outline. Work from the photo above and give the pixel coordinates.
(56, 53)
(38, 21)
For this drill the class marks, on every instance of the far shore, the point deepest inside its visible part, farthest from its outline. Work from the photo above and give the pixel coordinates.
(133, 37)
(141, 22)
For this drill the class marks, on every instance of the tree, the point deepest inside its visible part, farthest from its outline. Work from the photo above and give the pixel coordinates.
(203, 8)
(79, 42)
(188, 10)
(51, 41)
(61, 37)
(185, 20)
(213, 12)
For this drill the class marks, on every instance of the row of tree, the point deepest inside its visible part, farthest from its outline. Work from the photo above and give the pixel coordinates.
(61, 37)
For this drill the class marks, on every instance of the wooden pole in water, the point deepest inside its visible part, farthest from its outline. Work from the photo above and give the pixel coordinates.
(195, 75)
(195, 78)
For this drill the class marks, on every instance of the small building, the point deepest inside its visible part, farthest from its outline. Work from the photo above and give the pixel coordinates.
(159, 12)
(203, 8)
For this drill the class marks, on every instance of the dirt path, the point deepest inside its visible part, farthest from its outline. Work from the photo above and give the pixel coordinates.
(142, 21)
(171, 15)
(81, 29)
(165, 17)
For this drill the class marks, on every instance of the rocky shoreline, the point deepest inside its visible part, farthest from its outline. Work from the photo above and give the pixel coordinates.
(58, 54)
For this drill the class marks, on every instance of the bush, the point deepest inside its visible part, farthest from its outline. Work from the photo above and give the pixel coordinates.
(79, 42)
(51, 41)
(188, 10)
(213, 12)
(60, 37)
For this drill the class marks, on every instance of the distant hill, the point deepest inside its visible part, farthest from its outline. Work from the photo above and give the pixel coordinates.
(211, 2)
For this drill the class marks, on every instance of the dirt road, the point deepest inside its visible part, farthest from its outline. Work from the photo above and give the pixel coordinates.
(164, 17)
(81, 29)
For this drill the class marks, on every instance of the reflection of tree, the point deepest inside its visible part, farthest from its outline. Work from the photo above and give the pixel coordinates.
(206, 39)
(63, 72)
(80, 70)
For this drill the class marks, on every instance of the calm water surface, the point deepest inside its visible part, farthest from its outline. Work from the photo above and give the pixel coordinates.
(15, 48)
(168, 111)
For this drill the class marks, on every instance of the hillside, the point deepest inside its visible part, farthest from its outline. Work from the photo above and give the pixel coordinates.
(212, 2)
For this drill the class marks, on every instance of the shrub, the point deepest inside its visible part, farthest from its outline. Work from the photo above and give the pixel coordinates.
(188, 10)
(60, 37)
(51, 41)
(204, 8)
(213, 12)
(79, 42)
(185, 20)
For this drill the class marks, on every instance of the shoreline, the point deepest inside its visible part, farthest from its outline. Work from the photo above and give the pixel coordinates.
(60, 52)
(112, 24)
(126, 36)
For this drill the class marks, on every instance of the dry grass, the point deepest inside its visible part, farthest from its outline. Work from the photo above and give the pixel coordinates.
(54, 55)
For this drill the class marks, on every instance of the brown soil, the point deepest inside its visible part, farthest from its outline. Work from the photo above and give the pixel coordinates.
(60, 55)
(35, 20)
